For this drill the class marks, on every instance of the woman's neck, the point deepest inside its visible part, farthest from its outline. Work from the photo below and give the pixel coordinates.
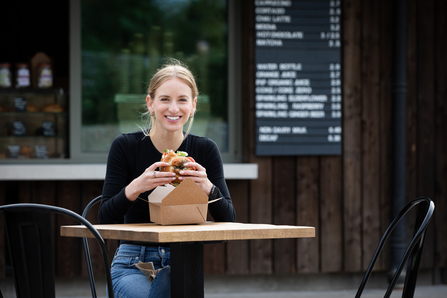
(166, 140)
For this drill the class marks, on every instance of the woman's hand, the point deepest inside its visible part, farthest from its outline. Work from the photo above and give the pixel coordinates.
(150, 179)
(199, 176)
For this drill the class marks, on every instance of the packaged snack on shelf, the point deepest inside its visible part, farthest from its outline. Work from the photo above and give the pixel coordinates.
(41, 151)
(19, 128)
(25, 152)
(20, 104)
(48, 128)
(13, 151)
(53, 108)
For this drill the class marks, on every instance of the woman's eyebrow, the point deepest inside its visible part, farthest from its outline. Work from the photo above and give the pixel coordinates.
(165, 95)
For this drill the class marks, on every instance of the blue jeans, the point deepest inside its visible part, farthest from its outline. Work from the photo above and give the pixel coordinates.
(129, 282)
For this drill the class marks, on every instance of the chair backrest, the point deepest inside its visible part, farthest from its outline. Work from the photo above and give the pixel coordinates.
(86, 249)
(413, 252)
(29, 233)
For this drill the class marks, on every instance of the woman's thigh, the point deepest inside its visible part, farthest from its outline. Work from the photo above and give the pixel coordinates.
(128, 280)
(131, 283)
(161, 286)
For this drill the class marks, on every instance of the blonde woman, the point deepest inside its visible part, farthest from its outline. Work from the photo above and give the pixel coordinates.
(132, 173)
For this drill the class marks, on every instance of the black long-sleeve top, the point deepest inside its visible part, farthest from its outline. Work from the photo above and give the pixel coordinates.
(129, 156)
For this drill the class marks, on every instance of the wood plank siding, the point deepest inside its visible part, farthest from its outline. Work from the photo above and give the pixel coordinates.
(346, 197)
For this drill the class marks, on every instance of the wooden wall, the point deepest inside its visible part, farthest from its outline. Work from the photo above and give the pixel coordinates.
(347, 198)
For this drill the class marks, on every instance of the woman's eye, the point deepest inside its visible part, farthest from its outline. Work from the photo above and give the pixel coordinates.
(164, 99)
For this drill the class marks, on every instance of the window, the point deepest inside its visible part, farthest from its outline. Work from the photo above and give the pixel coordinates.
(119, 46)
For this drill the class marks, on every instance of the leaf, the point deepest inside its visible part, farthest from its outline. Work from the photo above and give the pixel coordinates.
(182, 153)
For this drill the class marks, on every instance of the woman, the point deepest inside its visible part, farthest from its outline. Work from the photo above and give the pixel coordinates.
(132, 174)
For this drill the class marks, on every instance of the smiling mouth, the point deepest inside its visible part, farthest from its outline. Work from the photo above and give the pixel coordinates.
(173, 118)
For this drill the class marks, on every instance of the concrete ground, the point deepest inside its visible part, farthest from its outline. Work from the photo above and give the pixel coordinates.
(258, 287)
(436, 291)
(314, 286)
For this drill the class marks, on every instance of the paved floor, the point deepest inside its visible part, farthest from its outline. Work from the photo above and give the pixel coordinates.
(80, 289)
(436, 291)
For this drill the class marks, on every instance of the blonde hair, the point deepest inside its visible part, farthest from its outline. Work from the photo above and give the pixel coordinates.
(172, 69)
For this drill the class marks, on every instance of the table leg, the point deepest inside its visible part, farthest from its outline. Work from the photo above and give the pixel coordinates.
(187, 270)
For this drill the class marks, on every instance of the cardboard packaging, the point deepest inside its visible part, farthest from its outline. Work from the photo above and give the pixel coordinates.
(184, 204)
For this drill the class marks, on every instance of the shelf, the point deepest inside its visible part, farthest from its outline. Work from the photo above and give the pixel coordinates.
(31, 91)
(33, 113)
(34, 128)
(35, 137)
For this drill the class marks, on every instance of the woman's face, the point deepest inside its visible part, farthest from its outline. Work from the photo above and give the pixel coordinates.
(173, 104)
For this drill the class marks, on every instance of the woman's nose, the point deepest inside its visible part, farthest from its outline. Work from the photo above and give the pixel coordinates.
(173, 107)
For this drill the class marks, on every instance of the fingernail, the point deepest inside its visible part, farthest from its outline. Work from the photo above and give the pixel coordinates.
(182, 172)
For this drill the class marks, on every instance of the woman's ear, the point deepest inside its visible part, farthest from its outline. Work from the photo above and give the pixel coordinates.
(194, 104)
(149, 104)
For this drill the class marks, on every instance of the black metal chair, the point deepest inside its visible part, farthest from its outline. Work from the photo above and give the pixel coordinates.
(29, 232)
(86, 249)
(413, 252)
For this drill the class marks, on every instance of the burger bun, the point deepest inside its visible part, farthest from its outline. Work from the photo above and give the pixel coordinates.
(176, 164)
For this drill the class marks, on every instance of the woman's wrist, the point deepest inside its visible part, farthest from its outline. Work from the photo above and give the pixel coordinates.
(209, 188)
(130, 192)
(214, 194)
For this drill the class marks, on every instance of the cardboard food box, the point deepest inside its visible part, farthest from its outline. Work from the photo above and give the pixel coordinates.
(184, 204)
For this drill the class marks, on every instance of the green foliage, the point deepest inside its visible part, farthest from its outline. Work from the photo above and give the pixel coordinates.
(124, 42)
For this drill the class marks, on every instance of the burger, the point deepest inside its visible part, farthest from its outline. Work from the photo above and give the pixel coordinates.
(176, 161)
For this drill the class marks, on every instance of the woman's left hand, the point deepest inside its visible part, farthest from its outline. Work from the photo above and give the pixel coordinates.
(199, 176)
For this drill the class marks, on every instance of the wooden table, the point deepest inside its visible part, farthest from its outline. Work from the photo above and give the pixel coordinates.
(187, 244)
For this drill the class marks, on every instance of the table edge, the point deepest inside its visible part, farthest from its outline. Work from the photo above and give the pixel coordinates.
(277, 232)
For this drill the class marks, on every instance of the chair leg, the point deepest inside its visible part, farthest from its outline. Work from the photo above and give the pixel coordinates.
(89, 268)
(412, 271)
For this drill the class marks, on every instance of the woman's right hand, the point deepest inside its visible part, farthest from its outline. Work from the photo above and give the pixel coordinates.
(150, 179)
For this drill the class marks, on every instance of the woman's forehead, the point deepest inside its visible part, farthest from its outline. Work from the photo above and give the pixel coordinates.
(174, 86)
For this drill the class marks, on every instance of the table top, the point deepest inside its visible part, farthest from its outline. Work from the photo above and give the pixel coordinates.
(209, 231)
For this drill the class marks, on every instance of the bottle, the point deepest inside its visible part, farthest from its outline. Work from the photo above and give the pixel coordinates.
(22, 75)
(5, 75)
(44, 75)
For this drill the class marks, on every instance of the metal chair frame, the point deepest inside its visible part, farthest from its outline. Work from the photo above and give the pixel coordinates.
(33, 222)
(413, 252)
(86, 249)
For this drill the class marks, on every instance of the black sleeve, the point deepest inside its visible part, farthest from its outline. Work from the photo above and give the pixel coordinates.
(114, 203)
(222, 210)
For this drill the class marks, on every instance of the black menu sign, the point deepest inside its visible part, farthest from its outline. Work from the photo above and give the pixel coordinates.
(298, 77)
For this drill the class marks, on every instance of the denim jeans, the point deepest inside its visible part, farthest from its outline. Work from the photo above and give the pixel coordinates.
(129, 282)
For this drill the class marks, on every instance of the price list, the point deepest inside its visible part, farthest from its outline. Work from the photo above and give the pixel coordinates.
(298, 77)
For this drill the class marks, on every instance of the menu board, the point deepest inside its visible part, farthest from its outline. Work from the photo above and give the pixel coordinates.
(298, 77)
